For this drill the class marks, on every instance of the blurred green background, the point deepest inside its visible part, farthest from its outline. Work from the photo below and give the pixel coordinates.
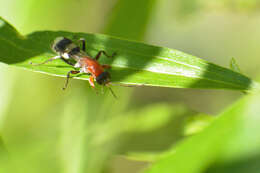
(46, 129)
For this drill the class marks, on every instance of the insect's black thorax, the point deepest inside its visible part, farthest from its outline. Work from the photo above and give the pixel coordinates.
(61, 44)
(74, 50)
(65, 45)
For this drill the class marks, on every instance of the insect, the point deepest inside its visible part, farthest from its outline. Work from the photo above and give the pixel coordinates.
(68, 50)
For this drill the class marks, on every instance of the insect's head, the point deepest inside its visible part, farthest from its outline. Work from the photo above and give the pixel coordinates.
(103, 78)
(65, 46)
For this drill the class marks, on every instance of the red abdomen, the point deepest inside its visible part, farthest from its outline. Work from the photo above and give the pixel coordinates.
(92, 66)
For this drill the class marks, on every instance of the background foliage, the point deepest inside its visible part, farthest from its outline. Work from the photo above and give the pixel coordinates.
(45, 129)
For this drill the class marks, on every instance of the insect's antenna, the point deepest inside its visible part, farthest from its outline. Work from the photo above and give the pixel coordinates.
(112, 92)
(102, 89)
(51, 59)
(125, 85)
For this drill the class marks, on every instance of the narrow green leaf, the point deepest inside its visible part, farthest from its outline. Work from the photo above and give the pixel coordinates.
(135, 63)
(230, 144)
(129, 20)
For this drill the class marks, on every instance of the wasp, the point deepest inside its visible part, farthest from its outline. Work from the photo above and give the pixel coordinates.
(68, 50)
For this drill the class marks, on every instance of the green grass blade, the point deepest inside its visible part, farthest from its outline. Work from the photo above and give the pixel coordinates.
(135, 63)
(129, 20)
(230, 144)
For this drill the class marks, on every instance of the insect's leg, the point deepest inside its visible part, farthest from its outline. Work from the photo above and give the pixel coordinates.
(68, 76)
(83, 43)
(66, 61)
(102, 51)
(112, 92)
(106, 66)
(91, 81)
(51, 59)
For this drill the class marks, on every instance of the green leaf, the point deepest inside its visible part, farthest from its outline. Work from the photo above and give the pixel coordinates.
(126, 23)
(135, 63)
(229, 144)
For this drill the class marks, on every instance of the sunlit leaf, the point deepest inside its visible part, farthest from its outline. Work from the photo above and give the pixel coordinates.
(135, 63)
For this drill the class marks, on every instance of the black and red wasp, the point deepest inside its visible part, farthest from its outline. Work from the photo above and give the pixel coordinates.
(67, 50)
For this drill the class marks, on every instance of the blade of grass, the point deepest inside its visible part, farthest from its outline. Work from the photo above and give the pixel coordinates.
(230, 144)
(129, 20)
(135, 63)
